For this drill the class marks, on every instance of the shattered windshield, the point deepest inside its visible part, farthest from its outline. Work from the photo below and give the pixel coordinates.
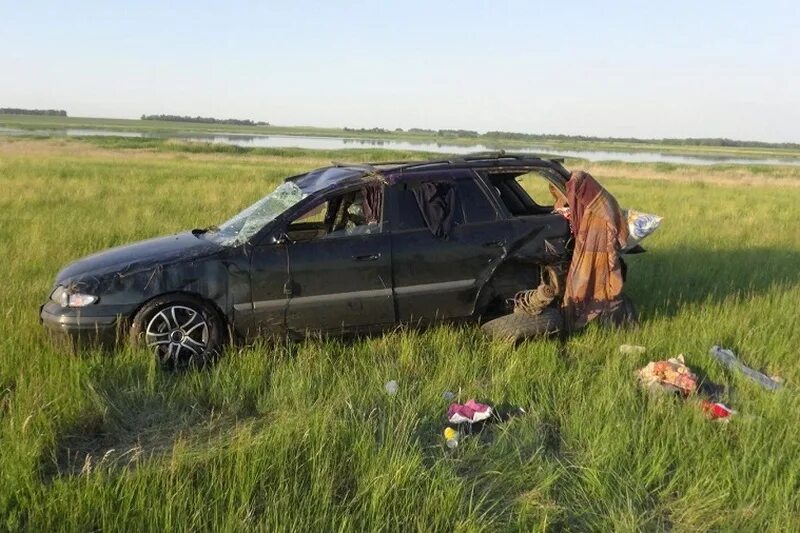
(243, 226)
(246, 224)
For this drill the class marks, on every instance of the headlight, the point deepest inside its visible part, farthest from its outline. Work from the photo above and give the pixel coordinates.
(62, 297)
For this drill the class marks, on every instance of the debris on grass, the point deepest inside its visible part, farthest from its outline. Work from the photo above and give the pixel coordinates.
(469, 412)
(391, 387)
(730, 361)
(632, 349)
(472, 417)
(671, 375)
(716, 410)
(451, 437)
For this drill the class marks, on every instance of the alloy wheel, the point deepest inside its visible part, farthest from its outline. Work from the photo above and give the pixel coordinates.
(177, 332)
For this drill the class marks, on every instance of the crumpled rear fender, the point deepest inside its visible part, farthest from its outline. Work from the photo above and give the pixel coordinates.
(540, 246)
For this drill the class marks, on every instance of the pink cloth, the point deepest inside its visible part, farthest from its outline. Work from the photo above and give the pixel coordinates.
(471, 411)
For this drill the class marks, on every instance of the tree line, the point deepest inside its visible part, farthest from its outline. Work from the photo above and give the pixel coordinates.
(534, 137)
(418, 131)
(205, 120)
(18, 111)
(688, 141)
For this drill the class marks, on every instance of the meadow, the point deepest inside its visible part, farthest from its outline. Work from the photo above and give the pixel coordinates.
(302, 436)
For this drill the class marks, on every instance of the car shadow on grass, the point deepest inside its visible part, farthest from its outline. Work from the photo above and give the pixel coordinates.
(663, 282)
(127, 423)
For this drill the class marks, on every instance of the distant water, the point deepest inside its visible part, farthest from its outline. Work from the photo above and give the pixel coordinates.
(335, 143)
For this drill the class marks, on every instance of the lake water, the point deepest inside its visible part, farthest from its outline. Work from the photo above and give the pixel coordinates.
(336, 143)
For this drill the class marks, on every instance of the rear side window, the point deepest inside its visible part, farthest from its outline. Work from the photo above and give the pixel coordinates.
(476, 206)
(524, 193)
(409, 215)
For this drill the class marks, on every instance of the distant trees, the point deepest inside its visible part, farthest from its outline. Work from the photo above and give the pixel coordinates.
(17, 111)
(542, 137)
(457, 133)
(205, 120)
(366, 130)
(716, 142)
(418, 131)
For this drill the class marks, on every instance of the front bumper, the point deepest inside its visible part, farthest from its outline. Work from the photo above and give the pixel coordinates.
(71, 324)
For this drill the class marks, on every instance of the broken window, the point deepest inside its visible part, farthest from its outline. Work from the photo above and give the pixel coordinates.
(431, 205)
(246, 224)
(356, 212)
(525, 193)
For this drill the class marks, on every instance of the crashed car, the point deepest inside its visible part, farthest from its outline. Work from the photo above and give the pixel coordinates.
(354, 248)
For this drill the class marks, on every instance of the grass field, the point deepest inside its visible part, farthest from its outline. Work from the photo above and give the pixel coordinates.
(168, 128)
(303, 437)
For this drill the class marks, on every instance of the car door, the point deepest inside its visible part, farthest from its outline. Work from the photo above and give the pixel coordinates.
(438, 277)
(339, 277)
(268, 288)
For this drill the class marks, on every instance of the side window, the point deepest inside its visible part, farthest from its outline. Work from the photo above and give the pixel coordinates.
(525, 193)
(538, 188)
(477, 207)
(357, 212)
(311, 224)
(408, 213)
(439, 198)
(315, 215)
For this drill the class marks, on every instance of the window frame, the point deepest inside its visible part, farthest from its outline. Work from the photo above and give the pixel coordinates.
(313, 202)
(544, 173)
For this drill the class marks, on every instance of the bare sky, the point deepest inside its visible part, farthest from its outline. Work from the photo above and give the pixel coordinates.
(672, 69)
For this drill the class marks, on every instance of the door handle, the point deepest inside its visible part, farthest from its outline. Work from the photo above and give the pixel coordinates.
(493, 243)
(370, 257)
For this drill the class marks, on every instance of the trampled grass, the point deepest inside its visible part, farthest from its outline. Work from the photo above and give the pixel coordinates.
(303, 437)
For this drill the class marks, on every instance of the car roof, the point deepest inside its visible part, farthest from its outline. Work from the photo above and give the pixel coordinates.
(343, 174)
(474, 160)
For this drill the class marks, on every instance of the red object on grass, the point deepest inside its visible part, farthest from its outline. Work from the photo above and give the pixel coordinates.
(715, 410)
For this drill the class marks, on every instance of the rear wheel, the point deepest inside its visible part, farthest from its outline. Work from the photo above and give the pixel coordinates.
(520, 326)
(179, 329)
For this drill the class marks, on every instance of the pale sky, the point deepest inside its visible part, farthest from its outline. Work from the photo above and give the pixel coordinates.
(642, 69)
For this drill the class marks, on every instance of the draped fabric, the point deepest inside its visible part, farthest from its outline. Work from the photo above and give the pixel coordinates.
(437, 203)
(593, 286)
(372, 194)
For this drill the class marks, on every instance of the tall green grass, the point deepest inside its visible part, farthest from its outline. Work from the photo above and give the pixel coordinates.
(303, 436)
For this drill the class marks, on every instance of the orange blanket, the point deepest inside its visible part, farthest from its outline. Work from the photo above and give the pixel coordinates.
(594, 282)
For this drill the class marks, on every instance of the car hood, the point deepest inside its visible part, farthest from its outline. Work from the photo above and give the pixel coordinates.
(140, 255)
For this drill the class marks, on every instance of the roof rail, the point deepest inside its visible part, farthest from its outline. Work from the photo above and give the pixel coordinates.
(493, 155)
(340, 164)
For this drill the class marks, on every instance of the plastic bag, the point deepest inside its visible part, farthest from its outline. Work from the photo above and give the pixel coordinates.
(640, 225)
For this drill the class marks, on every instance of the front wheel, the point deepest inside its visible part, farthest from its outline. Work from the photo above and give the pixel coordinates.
(179, 329)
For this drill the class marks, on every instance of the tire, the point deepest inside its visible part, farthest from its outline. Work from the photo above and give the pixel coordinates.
(520, 326)
(179, 329)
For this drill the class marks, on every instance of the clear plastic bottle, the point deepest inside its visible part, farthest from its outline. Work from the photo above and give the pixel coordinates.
(632, 349)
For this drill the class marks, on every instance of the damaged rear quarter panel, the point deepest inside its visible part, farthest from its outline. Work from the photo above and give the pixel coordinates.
(536, 240)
